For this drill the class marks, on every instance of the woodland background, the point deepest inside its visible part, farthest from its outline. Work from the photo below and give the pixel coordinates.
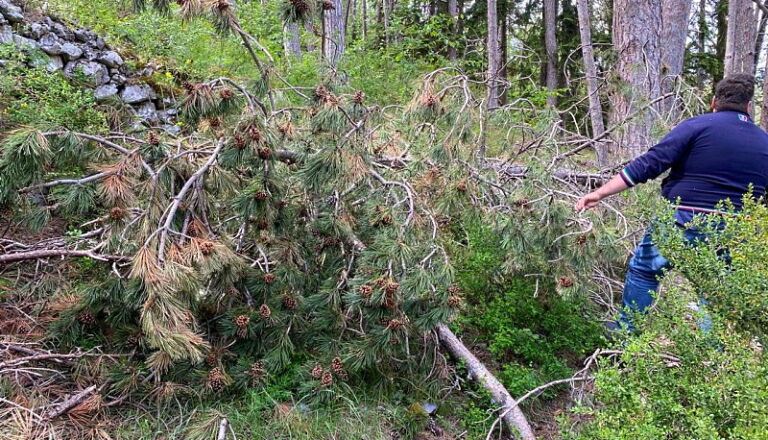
(351, 219)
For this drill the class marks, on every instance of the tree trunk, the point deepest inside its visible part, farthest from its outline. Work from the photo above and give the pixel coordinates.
(722, 33)
(740, 40)
(764, 107)
(510, 412)
(595, 109)
(503, 67)
(333, 33)
(637, 42)
(701, 41)
(494, 56)
(550, 46)
(674, 19)
(453, 11)
(291, 40)
(364, 18)
(760, 35)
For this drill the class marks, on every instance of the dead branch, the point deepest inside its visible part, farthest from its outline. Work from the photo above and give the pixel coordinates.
(512, 415)
(48, 253)
(70, 403)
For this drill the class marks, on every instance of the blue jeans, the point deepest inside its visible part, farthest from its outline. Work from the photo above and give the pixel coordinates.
(645, 268)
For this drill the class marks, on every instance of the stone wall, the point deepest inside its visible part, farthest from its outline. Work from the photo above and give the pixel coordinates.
(83, 54)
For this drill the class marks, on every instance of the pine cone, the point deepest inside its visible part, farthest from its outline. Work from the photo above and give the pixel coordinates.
(215, 122)
(395, 324)
(581, 240)
(215, 379)
(153, 139)
(454, 289)
(117, 214)
(257, 371)
(269, 278)
(211, 360)
(454, 301)
(226, 93)
(387, 220)
(261, 195)
(320, 91)
(359, 97)
(327, 379)
(190, 87)
(391, 288)
(317, 372)
(336, 365)
(565, 281)
(240, 142)
(290, 302)
(255, 133)
(265, 311)
(365, 291)
(265, 153)
(242, 321)
(461, 187)
(207, 248)
(86, 317)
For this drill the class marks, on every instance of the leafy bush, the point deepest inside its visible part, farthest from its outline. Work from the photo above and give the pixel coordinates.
(676, 381)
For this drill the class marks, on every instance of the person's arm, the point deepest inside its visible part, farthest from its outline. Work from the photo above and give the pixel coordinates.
(647, 166)
(613, 186)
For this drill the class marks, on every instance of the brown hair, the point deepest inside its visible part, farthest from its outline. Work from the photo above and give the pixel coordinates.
(734, 92)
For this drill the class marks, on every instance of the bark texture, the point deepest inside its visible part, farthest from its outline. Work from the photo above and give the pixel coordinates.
(453, 11)
(595, 109)
(550, 45)
(291, 40)
(333, 33)
(674, 18)
(494, 56)
(740, 38)
(637, 42)
(511, 413)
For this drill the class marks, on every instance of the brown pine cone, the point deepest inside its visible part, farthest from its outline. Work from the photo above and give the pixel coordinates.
(265, 153)
(391, 288)
(86, 317)
(261, 195)
(565, 281)
(327, 379)
(257, 371)
(395, 324)
(269, 278)
(454, 301)
(240, 142)
(226, 93)
(117, 214)
(359, 97)
(215, 379)
(336, 365)
(461, 187)
(454, 289)
(317, 372)
(242, 321)
(387, 220)
(365, 291)
(290, 302)
(215, 122)
(211, 360)
(581, 240)
(320, 91)
(255, 133)
(265, 311)
(207, 248)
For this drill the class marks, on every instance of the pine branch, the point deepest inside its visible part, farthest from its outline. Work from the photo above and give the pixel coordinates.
(48, 253)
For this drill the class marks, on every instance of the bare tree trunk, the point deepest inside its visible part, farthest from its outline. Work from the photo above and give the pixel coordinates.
(701, 40)
(760, 35)
(740, 40)
(637, 42)
(550, 45)
(674, 19)
(453, 11)
(494, 56)
(510, 412)
(503, 67)
(311, 30)
(721, 15)
(595, 109)
(291, 40)
(333, 33)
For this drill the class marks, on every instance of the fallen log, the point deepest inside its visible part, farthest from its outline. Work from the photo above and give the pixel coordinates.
(510, 411)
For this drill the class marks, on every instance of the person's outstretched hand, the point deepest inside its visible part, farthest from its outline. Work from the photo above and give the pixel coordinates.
(587, 202)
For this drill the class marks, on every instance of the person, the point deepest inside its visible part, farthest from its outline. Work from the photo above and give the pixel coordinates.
(711, 157)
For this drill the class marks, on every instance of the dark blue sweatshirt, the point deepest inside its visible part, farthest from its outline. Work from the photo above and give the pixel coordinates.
(713, 157)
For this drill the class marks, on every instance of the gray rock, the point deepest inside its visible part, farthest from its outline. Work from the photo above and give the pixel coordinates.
(173, 130)
(111, 59)
(62, 31)
(93, 73)
(37, 30)
(3, 20)
(85, 35)
(137, 93)
(90, 54)
(6, 35)
(119, 79)
(11, 12)
(99, 43)
(168, 116)
(25, 43)
(71, 52)
(50, 44)
(148, 113)
(105, 92)
(54, 64)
